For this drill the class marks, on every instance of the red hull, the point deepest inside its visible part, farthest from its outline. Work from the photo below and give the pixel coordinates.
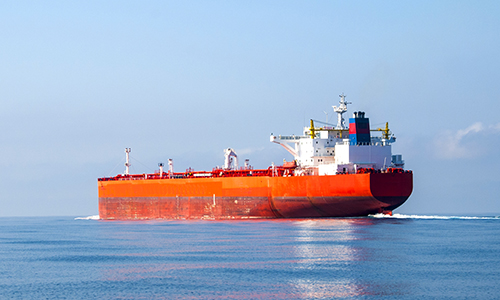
(254, 197)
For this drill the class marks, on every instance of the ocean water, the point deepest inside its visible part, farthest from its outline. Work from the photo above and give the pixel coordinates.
(402, 257)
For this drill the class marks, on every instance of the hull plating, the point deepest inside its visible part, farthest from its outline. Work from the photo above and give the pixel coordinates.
(254, 197)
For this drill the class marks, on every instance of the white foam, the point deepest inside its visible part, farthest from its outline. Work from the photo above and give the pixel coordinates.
(94, 217)
(401, 216)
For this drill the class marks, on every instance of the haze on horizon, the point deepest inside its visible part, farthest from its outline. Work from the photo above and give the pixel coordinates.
(80, 81)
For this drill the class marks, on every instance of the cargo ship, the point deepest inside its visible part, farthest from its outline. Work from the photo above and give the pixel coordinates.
(337, 171)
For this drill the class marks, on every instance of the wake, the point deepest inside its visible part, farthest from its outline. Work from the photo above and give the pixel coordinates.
(94, 217)
(432, 217)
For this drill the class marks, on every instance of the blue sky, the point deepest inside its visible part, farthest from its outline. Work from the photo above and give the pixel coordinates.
(82, 80)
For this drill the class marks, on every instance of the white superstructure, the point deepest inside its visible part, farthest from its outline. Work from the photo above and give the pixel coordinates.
(331, 150)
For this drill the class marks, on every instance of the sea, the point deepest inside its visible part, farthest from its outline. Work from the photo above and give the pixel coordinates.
(376, 257)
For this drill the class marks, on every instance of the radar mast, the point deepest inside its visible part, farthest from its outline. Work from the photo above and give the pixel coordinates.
(340, 110)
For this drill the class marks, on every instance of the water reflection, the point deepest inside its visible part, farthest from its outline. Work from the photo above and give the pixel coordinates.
(334, 252)
(279, 259)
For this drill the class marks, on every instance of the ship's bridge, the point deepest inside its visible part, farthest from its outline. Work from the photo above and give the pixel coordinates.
(331, 150)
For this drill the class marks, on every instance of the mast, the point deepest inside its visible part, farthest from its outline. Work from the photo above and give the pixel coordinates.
(340, 110)
(161, 169)
(170, 168)
(127, 161)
